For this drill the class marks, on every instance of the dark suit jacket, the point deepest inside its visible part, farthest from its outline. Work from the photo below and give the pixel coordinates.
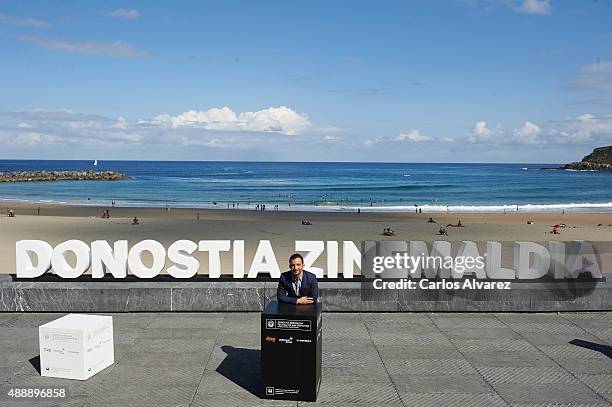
(286, 293)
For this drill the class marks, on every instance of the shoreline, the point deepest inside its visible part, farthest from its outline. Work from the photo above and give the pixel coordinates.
(575, 208)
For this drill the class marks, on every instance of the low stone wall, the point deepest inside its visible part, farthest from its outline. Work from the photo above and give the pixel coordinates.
(16, 296)
(42, 176)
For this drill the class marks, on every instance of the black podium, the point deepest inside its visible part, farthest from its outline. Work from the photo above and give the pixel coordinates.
(291, 351)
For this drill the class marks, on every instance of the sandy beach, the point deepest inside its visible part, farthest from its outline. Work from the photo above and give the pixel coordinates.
(57, 223)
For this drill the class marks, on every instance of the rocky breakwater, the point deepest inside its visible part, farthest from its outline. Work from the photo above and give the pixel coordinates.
(38, 176)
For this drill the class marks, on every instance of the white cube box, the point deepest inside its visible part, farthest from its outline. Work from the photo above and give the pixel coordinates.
(76, 346)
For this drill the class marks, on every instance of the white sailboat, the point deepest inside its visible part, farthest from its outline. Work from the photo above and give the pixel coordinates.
(95, 163)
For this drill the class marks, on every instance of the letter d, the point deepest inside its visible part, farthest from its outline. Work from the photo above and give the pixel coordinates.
(24, 249)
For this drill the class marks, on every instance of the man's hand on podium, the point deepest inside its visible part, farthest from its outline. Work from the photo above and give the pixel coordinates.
(305, 300)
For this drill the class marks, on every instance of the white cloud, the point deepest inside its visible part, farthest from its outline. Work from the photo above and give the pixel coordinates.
(116, 49)
(591, 124)
(596, 77)
(483, 134)
(372, 141)
(273, 119)
(52, 114)
(413, 135)
(217, 127)
(25, 22)
(125, 13)
(448, 140)
(32, 138)
(539, 7)
(331, 138)
(121, 123)
(527, 134)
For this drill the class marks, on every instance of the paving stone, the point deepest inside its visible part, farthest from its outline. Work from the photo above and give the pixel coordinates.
(364, 393)
(34, 320)
(430, 367)
(196, 320)
(395, 318)
(173, 345)
(550, 328)
(600, 383)
(571, 351)
(547, 338)
(231, 339)
(451, 400)
(348, 344)
(235, 399)
(179, 333)
(445, 322)
(164, 359)
(314, 404)
(548, 394)
(508, 359)
(482, 333)
(358, 331)
(494, 345)
(587, 315)
(350, 374)
(434, 339)
(213, 382)
(8, 320)
(150, 376)
(346, 359)
(440, 384)
(586, 366)
(403, 352)
(549, 374)
(135, 395)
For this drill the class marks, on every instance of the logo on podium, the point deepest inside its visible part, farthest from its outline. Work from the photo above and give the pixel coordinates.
(270, 391)
(270, 323)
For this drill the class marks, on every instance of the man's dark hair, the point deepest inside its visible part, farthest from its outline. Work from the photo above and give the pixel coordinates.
(296, 256)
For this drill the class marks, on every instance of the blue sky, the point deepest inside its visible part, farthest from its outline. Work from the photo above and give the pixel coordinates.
(401, 81)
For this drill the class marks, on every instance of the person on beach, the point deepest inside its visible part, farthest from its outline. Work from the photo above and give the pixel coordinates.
(135, 221)
(431, 220)
(388, 232)
(442, 231)
(297, 286)
(10, 213)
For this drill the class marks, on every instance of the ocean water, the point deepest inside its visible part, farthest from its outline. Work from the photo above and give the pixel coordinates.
(321, 186)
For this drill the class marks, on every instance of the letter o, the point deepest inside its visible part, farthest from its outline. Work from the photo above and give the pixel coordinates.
(60, 264)
(135, 262)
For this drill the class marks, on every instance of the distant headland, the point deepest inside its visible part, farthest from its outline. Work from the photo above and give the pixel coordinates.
(599, 160)
(38, 176)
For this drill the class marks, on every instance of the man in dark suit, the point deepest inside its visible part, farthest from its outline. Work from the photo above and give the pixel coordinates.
(297, 286)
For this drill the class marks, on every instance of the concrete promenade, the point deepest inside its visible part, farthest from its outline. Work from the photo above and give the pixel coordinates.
(377, 359)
